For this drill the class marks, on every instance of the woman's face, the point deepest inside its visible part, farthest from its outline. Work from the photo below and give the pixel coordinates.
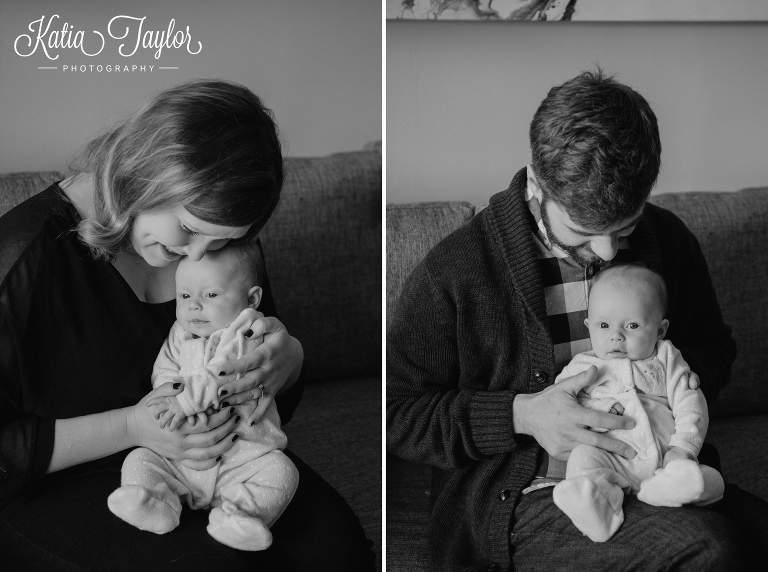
(161, 237)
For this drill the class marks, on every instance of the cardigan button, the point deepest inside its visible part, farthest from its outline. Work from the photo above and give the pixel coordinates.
(505, 494)
(540, 377)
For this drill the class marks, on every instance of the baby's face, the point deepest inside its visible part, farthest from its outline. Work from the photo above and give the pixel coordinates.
(210, 293)
(624, 320)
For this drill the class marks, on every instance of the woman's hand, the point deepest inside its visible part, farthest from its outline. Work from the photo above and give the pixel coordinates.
(196, 445)
(270, 368)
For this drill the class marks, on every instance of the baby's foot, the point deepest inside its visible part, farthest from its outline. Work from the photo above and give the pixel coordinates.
(594, 510)
(682, 482)
(145, 509)
(239, 531)
(679, 483)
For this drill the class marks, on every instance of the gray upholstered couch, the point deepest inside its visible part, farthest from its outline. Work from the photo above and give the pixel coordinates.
(732, 228)
(323, 254)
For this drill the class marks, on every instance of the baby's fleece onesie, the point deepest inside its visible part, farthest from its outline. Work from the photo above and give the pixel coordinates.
(254, 481)
(650, 390)
(667, 413)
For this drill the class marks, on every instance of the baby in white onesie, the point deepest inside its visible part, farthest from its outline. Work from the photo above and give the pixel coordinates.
(252, 484)
(643, 376)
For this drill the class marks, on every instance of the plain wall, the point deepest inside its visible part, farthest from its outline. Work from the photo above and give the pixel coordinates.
(316, 63)
(461, 95)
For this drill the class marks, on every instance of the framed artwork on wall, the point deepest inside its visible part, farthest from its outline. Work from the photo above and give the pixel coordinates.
(580, 10)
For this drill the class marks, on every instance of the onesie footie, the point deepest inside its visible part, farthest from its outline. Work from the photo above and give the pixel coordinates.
(595, 509)
(154, 511)
(239, 531)
(682, 482)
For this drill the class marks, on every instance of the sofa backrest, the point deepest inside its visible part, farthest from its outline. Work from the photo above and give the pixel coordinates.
(17, 187)
(412, 230)
(323, 254)
(732, 228)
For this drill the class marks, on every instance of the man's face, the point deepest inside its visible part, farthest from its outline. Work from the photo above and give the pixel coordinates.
(585, 246)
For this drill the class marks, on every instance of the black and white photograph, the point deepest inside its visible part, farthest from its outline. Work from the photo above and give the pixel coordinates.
(390, 285)
(191, 249)
(576, 214)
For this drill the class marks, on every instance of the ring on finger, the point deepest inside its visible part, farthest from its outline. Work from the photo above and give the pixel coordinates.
(261, 387)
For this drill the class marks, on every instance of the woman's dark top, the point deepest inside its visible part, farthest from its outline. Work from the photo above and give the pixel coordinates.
(74, 338)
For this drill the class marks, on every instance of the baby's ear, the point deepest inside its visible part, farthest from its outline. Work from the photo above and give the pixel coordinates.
(254, 297)
(586, 322)
(663, 329)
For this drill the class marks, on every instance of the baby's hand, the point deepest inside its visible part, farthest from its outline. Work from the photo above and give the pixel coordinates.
(159, 408)
(617, 409)
(677, 453)
(173, 415)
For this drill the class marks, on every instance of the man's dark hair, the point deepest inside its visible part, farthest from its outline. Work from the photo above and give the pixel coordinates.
(596, 149)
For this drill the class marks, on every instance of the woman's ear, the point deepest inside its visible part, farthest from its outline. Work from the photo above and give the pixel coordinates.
(663, 329)
(254, 297)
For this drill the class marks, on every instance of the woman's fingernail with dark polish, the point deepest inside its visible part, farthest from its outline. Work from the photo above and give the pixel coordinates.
(237, 419)
(249, 333)
(176, 385)
(235, 438)
(218, 459)
(225, 404)
(253, 423)
(232, 410)
(223, 392)
(222, 373)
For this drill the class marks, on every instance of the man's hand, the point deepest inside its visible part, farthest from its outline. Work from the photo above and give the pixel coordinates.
(558, 423)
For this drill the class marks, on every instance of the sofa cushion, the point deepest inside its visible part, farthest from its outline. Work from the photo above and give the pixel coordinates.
(323, 254)
(408, 485)
(18, 187)
(742, 443)
(412, 230)
(732, 229)
(336, 430)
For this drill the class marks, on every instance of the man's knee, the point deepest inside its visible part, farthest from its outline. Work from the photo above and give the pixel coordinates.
(705, 540)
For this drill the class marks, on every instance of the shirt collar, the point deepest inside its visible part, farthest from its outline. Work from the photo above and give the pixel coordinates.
(534, 206)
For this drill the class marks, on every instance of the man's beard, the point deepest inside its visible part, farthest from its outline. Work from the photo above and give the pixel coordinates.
(583, 255)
